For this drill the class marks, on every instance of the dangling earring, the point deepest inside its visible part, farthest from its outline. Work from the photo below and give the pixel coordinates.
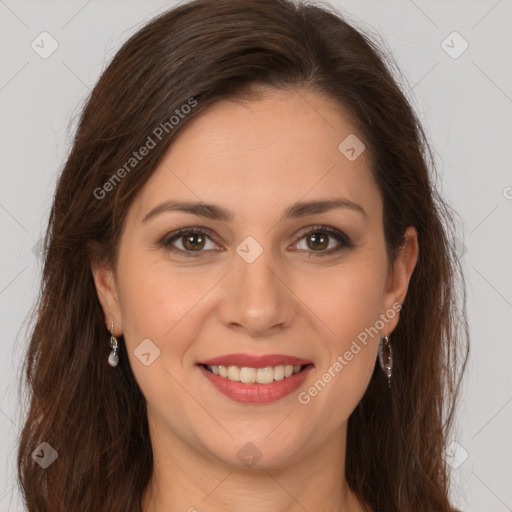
(386, 358)
(113, 358)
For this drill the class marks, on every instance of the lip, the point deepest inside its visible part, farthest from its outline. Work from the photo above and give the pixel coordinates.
(256, 393)
(253, 361)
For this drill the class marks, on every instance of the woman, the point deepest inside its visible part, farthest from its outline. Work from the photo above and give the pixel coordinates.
(249, 299)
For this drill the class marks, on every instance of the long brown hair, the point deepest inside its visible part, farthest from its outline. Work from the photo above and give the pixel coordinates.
(94, 416)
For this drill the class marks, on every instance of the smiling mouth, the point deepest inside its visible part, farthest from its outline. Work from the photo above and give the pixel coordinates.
(249, 375)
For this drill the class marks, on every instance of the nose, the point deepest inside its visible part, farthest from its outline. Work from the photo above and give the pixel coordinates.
(257, 300)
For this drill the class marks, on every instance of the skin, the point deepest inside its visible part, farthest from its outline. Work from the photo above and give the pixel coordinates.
(255, 158)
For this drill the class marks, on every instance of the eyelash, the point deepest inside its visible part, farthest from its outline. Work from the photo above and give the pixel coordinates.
(334, 233)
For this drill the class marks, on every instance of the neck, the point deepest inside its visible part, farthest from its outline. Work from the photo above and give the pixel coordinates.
(191, 480)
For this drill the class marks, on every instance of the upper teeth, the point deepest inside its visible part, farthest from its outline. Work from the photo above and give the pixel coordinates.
(259, 375)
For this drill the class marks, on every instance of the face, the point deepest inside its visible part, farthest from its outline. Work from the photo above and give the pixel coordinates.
(256, 273)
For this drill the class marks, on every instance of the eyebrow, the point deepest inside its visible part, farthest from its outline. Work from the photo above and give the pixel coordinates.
(215, 212)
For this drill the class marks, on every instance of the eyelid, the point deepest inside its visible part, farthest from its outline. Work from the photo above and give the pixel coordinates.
(334, 232)
(339, 235)
(179, 233)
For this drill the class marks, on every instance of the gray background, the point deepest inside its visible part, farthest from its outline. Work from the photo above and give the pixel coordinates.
(465, 104)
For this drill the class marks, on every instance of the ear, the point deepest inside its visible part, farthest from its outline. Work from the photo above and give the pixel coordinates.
(108, 295)
(400, 275)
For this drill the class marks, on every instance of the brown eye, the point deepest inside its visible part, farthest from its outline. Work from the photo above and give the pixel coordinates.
(317, 240)
(193, 242)
(189, 242)
(323, 241)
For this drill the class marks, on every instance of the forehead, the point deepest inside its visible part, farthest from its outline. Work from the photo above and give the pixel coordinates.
(276, 122)
(256, 155)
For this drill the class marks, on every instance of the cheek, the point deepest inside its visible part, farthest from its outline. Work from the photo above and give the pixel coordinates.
(153, 303)
(160, 307)
(349, 302)
(164, 304)
(348, 297)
